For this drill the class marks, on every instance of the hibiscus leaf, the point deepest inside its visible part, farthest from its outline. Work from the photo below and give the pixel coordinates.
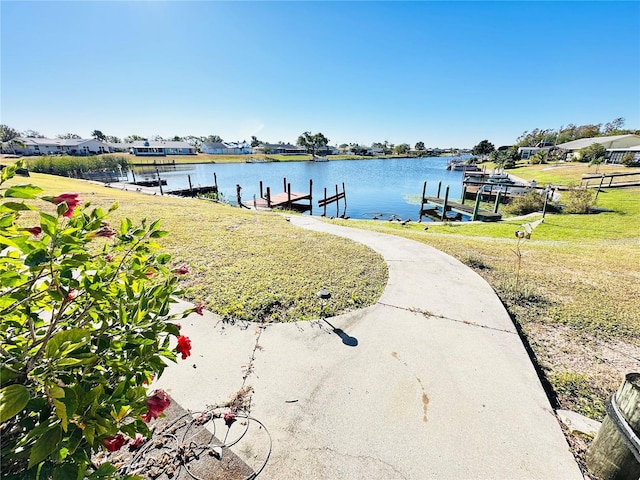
(45, 445)
(159, 234)
(23, 191)
(36, 258)
(66, 341)
(13, 399)
(16, 206)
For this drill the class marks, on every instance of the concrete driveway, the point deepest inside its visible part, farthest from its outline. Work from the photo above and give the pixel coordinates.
(432, 382)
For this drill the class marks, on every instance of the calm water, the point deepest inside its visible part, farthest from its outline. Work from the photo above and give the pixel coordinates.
(380, 188)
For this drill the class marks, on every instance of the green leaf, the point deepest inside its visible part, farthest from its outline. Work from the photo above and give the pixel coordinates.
(65, 342)
(125, 225)
(23, 191)
(8, 242)
(36, 258)
(104, 470)
(66, 471)
(45, 445)
(7, 220)
(13, 399)
(6, 375)
(159, 234)
(16, 206)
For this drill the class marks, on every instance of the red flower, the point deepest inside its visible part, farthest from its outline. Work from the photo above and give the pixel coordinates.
(71, 199)
(105, 231)
(109, 258)
(229, 418)
(73, 293)
(114, 443)
(198, 308)
(182, 270)
(184, 346)
(156, 404)
(35, 231)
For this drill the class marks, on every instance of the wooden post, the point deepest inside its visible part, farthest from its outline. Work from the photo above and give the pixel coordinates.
(159, 181)
(424, 192)
(337, 203)
(269, 197)
(611, 454)
(439, 186)
(599, 186)
(324, 213)
(444, 205)
(344, 197)
(215, 181)
(239, 197)
(190, 186)
(464, 193)
(133, 174)
(261, 194)
(311, 196)
(476, 207)
(285, 184)
(288, 190)
(497, 204)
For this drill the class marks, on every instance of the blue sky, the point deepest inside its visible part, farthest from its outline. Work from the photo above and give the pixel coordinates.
(445, 73)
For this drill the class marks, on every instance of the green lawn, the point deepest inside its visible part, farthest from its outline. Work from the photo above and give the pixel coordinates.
(245, 265)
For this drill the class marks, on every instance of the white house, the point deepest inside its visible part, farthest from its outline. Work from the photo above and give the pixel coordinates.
(616, 145)
(153, 148)
(280, 149)
(53, 146)
(226, 148)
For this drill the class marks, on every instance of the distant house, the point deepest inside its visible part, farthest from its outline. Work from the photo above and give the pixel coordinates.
(280, 149)
(226, 148)
(58, 146)
(616, 145)
(162, 148)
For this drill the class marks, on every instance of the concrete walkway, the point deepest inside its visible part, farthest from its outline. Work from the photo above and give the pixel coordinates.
(432, 382)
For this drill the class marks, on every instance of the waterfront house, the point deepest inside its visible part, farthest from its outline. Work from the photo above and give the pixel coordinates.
(226, 148)
(279, 149)
(616, 145)
(153, 148)
(57, 146)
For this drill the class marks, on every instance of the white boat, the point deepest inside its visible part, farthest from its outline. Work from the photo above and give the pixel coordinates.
(320, 159)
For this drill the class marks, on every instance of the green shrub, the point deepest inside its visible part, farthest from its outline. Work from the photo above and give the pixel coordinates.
(84, 325)
(578, 200)
(629, 160)
(524, 204)
(67, 166)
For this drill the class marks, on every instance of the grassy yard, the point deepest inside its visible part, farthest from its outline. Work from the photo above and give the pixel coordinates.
(245, 265)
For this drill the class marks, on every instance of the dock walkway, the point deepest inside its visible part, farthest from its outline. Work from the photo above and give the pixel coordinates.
(431, 204)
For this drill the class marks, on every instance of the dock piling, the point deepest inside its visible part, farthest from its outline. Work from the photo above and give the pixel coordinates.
(439, 187)
(497, 204)
(444, 205)
(476, 208)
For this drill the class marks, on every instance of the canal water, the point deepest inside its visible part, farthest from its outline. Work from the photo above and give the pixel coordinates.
(384, 188)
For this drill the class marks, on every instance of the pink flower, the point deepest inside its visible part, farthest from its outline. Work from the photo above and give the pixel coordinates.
(114, 443)
(181, 270)
(71, 199)
(198, 308)
(73, 293)
(109, 258)
(105, 231)
(184, 346)
(229, 418)
(35, 231)
(137, 442)
(178, 326)
(156, 404)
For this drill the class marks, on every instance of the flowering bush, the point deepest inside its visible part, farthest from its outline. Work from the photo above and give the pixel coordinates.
(84, 326)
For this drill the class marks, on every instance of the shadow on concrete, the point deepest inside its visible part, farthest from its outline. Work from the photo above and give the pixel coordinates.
(346, 339)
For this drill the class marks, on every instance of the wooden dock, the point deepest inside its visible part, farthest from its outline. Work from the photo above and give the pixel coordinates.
(434, 206)
(287, 200)
(437, 207)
